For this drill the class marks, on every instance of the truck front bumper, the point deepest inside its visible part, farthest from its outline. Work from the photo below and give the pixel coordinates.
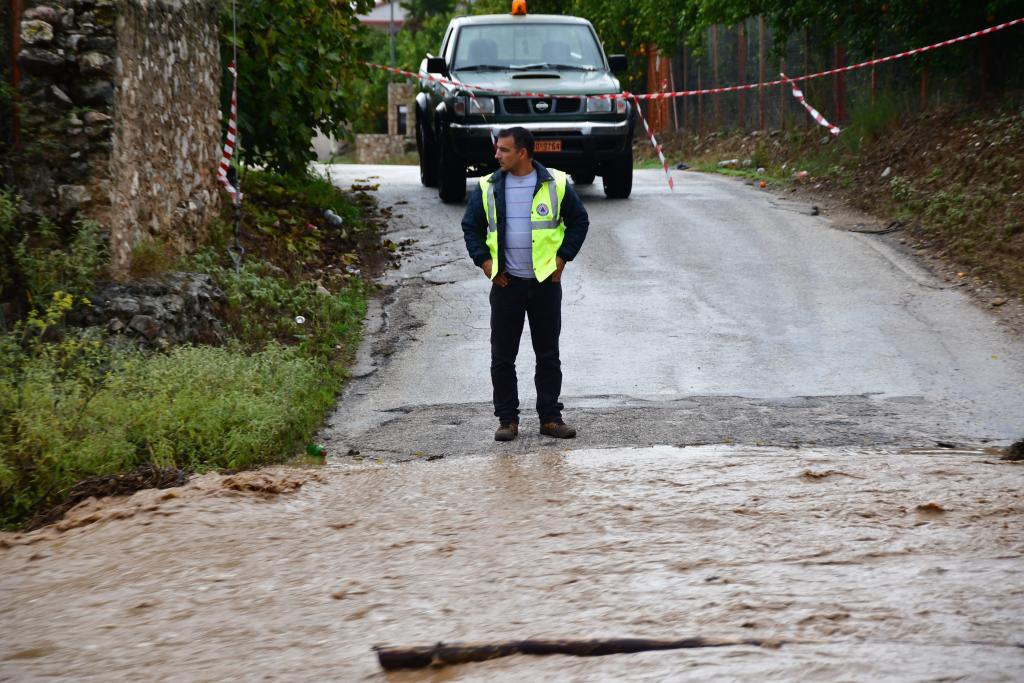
(585, 145)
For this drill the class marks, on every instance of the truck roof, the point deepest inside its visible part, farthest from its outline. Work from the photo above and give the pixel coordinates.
(527, 19)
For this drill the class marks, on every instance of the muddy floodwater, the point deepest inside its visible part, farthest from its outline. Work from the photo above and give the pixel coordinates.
(901, 565)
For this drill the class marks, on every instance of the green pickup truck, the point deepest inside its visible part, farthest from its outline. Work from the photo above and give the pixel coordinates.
(583, 135)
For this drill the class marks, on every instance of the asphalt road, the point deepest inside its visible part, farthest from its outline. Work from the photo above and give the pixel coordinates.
(718, 313)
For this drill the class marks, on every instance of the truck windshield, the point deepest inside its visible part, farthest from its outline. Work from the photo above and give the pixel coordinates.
(527, 46)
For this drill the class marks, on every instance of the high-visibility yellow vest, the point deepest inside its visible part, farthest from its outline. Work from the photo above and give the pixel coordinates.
(545, 220)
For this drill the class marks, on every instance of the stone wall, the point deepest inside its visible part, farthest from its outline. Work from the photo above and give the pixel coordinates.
(375, 148)
(119, 117)
(402, 93)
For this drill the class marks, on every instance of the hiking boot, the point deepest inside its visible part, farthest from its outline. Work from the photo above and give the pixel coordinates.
(507, 431)
(559, 430)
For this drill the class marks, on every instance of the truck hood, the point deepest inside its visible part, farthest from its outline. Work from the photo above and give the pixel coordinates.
(544, 81)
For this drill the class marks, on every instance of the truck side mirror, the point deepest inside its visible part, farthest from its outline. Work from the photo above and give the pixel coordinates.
(435, 65)
(617, 63)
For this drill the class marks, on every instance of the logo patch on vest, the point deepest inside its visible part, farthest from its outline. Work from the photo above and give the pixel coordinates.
(542, 210)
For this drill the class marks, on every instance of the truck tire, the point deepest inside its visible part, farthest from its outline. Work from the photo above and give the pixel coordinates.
(428, 164)
(451, 176)
(618, 176)
(584, 177)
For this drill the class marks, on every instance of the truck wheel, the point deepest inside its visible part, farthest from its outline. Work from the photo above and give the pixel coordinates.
(428, 164)
(618, 176)
(451, 176)
(584, 177)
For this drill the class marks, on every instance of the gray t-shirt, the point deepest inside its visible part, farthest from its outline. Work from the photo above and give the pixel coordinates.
(518, 233)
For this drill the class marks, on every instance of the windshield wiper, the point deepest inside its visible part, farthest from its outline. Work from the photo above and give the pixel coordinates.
(481, 67)
(549, 65)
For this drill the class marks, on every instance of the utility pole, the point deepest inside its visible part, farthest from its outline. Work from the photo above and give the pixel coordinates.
(391, 39)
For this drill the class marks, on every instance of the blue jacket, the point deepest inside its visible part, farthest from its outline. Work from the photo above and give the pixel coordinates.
(474, 222)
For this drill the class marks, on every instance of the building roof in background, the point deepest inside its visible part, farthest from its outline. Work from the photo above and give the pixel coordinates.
(380, 15)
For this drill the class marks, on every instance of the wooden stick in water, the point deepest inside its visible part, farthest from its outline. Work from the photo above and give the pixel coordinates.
(446, 654)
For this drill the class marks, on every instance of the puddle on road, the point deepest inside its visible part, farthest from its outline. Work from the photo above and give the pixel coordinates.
(897, 565)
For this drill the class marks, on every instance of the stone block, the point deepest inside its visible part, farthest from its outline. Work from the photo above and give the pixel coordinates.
(105, 44)
(95, 64)
(94, 93)
(60, 98)
(42, 13)
(95, 118)
(71, 198)
(36, 32)
(41, 62)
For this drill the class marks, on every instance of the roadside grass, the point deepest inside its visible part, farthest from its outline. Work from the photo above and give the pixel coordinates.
(647, 163)
(76, 407)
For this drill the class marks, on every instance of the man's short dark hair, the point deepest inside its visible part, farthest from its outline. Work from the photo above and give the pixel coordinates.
(522, 138)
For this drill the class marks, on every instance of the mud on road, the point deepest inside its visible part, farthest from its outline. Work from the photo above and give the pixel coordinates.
(896, 565)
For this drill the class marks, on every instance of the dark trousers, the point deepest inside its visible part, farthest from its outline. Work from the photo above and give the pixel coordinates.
(542, 303)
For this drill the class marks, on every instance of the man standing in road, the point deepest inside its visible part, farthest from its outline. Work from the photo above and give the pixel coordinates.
(523, 223)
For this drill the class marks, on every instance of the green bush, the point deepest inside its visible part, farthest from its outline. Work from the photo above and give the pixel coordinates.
(38, 259)
(296, 62)
(72, 406)
(194, 408)
(871, 119)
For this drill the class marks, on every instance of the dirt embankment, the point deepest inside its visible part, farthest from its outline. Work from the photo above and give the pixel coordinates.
(948, 184)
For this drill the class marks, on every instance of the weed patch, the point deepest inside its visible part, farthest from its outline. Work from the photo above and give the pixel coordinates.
(81, 414)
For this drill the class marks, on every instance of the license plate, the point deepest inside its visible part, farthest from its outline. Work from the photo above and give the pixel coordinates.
(547, 146)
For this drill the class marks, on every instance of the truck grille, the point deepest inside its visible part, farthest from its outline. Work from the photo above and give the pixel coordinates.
(529, 105)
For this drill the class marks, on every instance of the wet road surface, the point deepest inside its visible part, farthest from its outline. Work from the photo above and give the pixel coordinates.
(893, 565)
(715, 315)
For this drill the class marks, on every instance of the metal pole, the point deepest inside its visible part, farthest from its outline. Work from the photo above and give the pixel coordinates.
(714, 76)
(760, 72)
(675, 100)
(391, 39)
(741, 71)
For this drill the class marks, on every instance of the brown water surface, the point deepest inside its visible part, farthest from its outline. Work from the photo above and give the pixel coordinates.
(887, 565)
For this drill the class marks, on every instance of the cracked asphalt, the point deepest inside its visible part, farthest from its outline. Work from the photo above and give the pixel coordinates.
(717, 313)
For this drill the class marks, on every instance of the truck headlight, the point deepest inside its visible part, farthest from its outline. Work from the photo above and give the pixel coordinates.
(599, 105)
(481, 105)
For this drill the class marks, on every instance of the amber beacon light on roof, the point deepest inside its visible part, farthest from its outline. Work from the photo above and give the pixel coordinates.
(519, 8)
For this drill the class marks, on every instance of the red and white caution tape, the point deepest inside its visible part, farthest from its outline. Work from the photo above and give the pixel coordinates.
(230, 141)
(799, 95)
(711, 91)
(831, 72)
(654, 143)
